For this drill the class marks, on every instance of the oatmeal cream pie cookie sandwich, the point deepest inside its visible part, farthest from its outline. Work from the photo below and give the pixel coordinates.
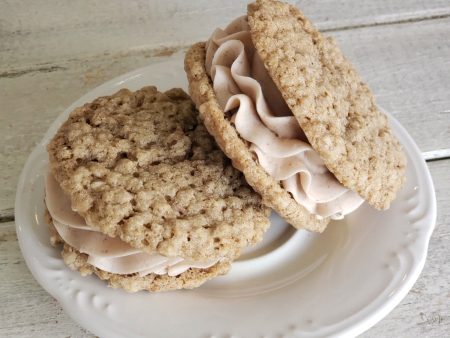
(139, 194)
(294, 116)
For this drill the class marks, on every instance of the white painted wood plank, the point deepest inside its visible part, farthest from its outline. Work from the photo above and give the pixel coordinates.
(28, 311)
(48, 31)
(407, 66)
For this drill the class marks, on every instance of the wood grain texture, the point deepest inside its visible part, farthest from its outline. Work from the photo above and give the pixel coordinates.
(27, 310)
(38, 32)
(407, 66)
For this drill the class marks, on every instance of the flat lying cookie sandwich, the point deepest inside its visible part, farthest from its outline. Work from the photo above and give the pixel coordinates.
(294, 116)
(140, 195)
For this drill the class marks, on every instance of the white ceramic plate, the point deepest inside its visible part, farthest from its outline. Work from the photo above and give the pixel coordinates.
(339, 283)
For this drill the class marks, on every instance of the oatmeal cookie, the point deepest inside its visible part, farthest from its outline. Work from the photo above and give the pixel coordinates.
(334, 107)
(141, 166)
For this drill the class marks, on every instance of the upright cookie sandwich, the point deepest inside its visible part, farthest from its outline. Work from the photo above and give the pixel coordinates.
(294, 116)
(139, 194)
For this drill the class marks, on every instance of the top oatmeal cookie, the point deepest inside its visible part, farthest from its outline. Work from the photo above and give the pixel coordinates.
(333, 106)
(140, 165)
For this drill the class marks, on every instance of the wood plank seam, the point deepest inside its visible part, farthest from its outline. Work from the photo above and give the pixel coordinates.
(387, 23)
(17, 73)
(6, 215)
(436, 155)
(49, 67)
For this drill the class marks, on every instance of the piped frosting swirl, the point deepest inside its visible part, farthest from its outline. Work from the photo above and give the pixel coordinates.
(243, 86)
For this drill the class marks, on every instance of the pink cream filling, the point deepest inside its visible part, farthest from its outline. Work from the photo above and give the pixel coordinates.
(107, 253)
(260, 114)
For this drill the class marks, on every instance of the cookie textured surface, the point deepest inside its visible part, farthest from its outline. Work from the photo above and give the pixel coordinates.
(214, 118)
(335, 109)
(140, 165)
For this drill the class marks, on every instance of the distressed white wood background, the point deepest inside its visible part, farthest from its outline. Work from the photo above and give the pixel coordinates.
(52, 52)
